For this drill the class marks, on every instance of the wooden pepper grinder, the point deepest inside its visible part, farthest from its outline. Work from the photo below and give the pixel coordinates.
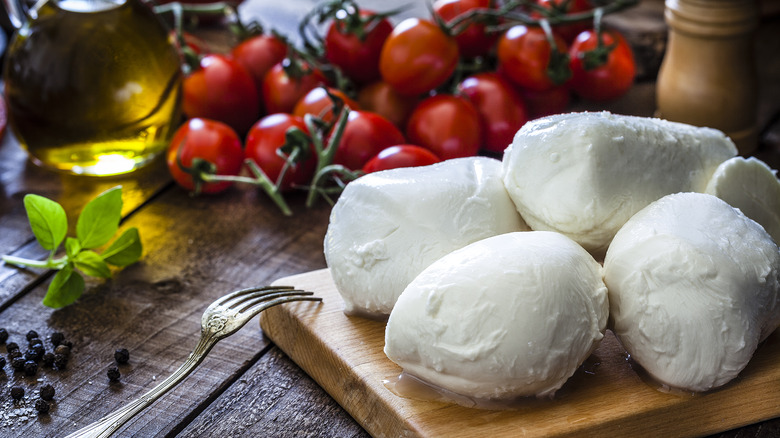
(708, 74)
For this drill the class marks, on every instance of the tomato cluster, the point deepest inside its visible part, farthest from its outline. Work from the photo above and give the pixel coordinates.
(373, 95)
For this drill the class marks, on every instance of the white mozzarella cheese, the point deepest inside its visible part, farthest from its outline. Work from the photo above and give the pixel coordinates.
(752, 186)
(386, 227)
(508, 316)
(693, 288)
(585, 174)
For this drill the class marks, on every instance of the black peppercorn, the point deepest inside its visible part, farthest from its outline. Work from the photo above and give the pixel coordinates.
(17, 392)
(12, 346)
(35, 343)
(62, 349)
(30, 367)
(2, 362)
(60, 361)
(3, 335)
(57, 338)
(41, 406)
(122, 356)
(14, 353)
(48, 359)
(33, 354)
(18, 363)
(47, 392)
(113, 374)
(32, 334)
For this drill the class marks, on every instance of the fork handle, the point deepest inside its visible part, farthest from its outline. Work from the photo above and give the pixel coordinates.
(113, 421)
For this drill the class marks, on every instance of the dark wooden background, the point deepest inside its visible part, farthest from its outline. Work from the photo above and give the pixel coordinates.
(196, 249)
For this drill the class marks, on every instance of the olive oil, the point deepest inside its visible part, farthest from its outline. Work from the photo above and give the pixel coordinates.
(93, 87)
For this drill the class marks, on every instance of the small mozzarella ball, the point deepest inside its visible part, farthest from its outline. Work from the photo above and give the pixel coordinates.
(386, 227)
(585, 174)
(693, 288)
(508, 316)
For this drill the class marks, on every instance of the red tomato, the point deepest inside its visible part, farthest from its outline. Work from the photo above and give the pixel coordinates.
(356, 52)
(381, 98)
(365, 135)
(264, 140)
(473, 41)
(447, 125)
(546, 103)
(417, 57)
(202, 140)
(567, 7)
(221, 90)
(281, 92)
(608, 81)
(258, 54)
(404, 155)
(318, 103)
(524, 57)
(500, 107)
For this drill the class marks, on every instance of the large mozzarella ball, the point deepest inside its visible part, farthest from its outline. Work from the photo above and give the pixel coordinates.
(586, 174)
(508, 316)
(386, 227)
(693, 288)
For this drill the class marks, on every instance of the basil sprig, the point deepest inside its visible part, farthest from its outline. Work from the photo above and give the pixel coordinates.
(96, 225)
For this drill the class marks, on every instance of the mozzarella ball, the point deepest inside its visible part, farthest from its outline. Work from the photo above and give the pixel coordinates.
(585, 174)
(508, 316)
(693, 288)
(752, 186)
(386, 227)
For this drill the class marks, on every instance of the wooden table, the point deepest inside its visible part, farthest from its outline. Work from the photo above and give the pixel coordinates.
(195, 249)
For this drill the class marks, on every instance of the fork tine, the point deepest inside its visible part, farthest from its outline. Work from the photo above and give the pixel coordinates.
(262, 296)
(259, 306)
(238, 293)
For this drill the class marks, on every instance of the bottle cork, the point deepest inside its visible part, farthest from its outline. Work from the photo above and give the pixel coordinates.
(708, 75)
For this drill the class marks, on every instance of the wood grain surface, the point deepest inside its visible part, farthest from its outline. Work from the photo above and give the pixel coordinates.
(605, 397)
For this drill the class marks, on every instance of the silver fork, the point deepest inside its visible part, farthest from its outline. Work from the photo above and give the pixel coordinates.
(221, 319)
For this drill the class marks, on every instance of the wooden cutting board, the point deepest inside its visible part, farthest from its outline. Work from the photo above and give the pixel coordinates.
(606, 396)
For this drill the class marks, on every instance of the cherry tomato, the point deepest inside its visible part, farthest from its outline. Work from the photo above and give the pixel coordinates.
(381, 98)
(567, 7)
(524, 57)
(547, 102)
(417, 57)
(281, 91)
(404, 155)
(258, 54)
(264, 140)
(500, 107)
(221, 90)
(356, 51)
(447, 125)
(318, 103)
(474, 40)
(199, 140)
(365, 135)
(608, 81)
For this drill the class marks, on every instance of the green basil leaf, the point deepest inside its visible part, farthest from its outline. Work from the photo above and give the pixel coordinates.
(125, 250)
(99, 220)
(90, 263)
(47, 219)
(65, 288)
(72, 247)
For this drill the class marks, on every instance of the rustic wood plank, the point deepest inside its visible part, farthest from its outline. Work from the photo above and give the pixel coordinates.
(274, 398)
(195, 251)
